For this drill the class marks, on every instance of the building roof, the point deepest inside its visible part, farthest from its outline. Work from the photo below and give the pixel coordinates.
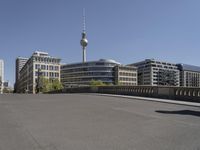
(95, 61)
(188, 67)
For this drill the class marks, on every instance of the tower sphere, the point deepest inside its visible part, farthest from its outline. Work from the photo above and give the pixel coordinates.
(84, 42)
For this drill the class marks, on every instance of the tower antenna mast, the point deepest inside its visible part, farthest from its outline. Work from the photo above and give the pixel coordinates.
(84, 41)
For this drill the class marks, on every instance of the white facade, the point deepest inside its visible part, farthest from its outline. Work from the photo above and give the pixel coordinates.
(157, 73)
(1, 75)
(125, 75)
(49, 68)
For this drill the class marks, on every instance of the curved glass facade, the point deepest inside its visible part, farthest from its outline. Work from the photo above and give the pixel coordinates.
(83, 73)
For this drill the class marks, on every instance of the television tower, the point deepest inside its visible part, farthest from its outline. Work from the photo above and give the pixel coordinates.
(84, 41)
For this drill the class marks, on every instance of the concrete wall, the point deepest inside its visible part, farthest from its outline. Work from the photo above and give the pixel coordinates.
(177, 93)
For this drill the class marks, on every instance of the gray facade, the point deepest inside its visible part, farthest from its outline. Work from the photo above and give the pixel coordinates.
(19, 64)
(189, 75)
(157, 73)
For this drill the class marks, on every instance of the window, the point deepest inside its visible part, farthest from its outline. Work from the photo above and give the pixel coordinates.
(43, 67)
(50, 67)
(56, 68)
(37, 66)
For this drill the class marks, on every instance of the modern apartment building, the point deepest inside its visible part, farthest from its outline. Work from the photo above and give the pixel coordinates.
(19, 64)
(1, 75)
(39, 63)
(189, 75)
(125, 75)
(157, 73)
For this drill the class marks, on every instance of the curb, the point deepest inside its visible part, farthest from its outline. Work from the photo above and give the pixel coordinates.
(153, 99)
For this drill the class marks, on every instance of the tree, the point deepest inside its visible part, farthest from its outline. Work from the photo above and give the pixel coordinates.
(48, 85)
(45, 85)
(97, 83)
(56, 85)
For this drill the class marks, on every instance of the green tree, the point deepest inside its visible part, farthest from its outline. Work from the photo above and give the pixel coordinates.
(56, 85)
(97, 83)
(48, 85)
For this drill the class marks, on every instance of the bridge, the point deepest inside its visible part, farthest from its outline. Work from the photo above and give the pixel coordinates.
(95, 122)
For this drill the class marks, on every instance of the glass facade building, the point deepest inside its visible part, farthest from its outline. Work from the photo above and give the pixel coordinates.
(83, 73)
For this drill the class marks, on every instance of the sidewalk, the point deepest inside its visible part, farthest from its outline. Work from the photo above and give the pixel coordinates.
(178, 102)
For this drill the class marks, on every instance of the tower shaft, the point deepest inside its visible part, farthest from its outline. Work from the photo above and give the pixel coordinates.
(84, 54)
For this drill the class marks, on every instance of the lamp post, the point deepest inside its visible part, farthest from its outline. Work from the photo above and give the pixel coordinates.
(1, 86)
(38, 86)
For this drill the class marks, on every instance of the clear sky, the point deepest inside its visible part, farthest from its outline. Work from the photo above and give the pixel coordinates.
(124, 30)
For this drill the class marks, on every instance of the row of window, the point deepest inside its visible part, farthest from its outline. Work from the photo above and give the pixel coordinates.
(46, 67)
(88, 74)
(88, 64)
(48, 74)
(87, 79)
(125, 83)
(87, 69)
(47, 59)
(127, 74)
(127, 79)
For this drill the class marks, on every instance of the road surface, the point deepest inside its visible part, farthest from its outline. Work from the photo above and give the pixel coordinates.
(90, 122)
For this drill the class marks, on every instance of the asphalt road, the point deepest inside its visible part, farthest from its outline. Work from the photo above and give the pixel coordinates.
(89, 122)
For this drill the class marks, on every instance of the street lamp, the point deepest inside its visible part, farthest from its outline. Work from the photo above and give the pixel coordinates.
(38, 86)
(1, 85)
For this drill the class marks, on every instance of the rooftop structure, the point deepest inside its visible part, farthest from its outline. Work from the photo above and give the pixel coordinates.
(188, 67)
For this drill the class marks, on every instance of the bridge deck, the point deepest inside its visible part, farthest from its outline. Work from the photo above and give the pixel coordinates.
(89, 122)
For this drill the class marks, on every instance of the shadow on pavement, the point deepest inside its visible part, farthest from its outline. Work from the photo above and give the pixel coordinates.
(180, 112)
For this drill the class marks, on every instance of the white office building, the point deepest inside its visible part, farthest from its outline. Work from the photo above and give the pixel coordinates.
(157, 73)
(49, 68)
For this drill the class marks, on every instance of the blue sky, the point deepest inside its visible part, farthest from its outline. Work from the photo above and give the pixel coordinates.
(124, 30)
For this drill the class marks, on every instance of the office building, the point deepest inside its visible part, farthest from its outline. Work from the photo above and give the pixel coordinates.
(83, 73)
(189, 75)
(40, 63)
(105, 70)
(19, 64)
(125, 75)
(1, 75)
(157, 73)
